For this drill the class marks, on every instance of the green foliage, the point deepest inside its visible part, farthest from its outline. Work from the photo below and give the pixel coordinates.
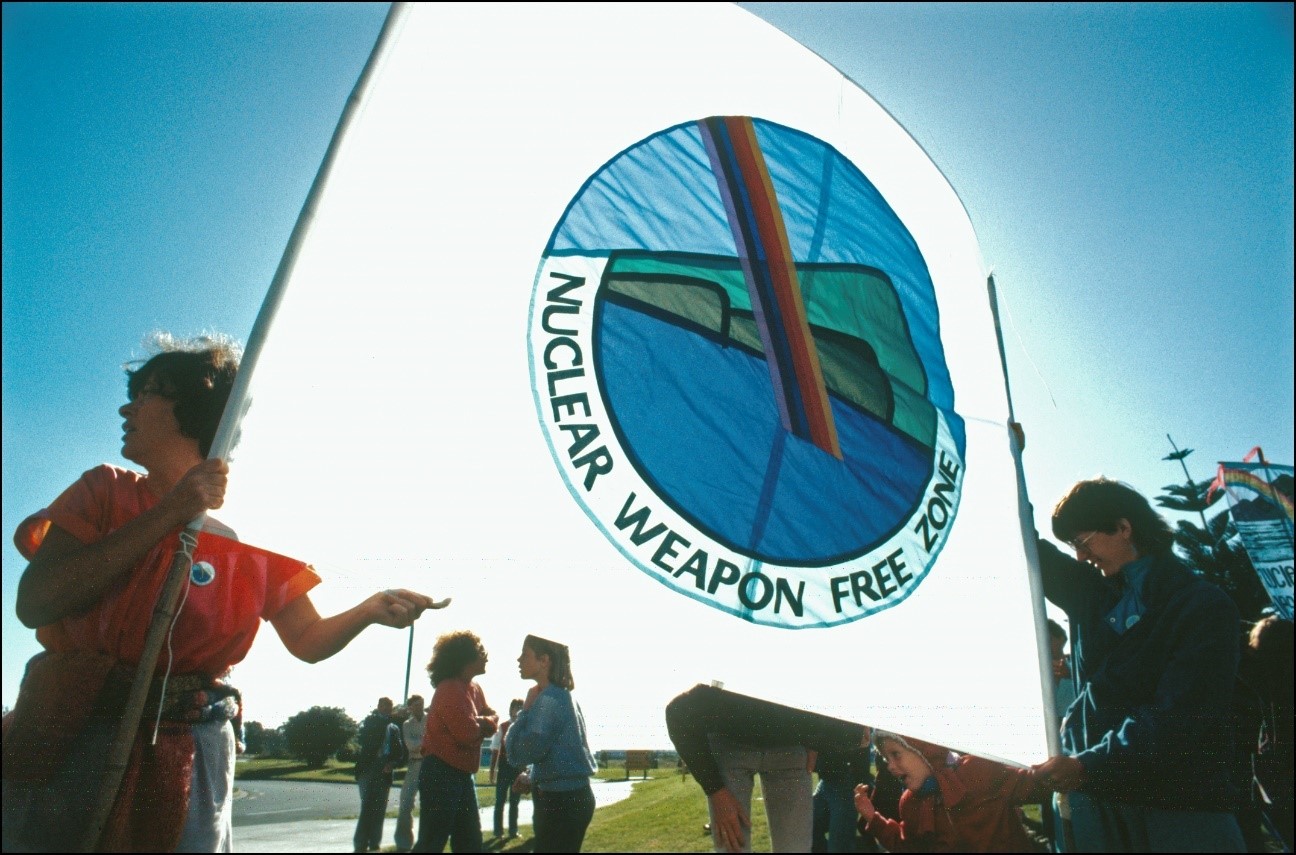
(1192, 497)
(276, 769)
(254, 737)
(1216, 552)
(264, 741)
(665, 814)
(1212, 547)
(275, 744)
(349, 752)
(316, 734)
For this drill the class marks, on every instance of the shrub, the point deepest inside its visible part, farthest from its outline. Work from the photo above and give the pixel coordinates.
(254, 733)
(316, 734)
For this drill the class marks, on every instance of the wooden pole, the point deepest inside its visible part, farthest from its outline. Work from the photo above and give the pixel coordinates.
(164, 613)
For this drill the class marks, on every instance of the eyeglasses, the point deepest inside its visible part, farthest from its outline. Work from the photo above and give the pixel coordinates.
(1083, 542)
(149, 389)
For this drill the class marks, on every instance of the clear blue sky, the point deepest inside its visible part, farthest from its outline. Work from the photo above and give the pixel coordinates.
(1128, 169)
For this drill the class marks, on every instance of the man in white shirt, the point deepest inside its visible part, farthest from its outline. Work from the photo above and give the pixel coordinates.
(412, 731)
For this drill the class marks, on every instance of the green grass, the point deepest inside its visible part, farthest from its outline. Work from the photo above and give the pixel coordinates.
(665, 813)
(268, 769)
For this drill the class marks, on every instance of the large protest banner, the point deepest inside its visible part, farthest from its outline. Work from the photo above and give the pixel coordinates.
(644, 327)
(1260, 500)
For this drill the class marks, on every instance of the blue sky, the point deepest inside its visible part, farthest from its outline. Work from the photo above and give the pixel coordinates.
(1128, 169)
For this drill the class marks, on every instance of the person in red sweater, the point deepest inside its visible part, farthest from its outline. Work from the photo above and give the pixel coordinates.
(99, 555)
(951, 803)
(458, 720)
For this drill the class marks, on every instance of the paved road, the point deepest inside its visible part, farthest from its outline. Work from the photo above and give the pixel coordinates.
(291, 816)
(260, 802)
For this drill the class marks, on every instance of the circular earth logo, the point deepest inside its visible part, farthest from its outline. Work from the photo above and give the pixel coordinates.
(202, 573)
(736, 360)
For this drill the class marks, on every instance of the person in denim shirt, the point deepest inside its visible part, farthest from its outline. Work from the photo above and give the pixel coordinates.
(1147, 741)
(549, 736)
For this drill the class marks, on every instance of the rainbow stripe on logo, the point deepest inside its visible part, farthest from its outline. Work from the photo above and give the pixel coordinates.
(766, 258)
(1249, 480)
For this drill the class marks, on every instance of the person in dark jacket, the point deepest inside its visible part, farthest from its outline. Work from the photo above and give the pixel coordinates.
(373, 773)
(840, 772)
(727, 739)
(1269, 657)
(1147, 741)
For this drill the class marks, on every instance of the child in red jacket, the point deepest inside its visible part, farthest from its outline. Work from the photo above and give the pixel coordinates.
(951, 803)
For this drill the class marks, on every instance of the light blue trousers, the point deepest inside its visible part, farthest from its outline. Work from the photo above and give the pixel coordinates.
(785, 785)
(405, 818)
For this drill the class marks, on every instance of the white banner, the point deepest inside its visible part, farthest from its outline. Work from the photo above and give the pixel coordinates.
(642, 328)
(1260, 500)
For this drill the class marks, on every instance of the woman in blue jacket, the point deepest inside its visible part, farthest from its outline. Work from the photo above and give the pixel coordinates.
(1147, 741)
(549, 736)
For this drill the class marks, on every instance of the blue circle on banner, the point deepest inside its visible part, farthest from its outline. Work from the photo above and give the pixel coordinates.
(731, 318)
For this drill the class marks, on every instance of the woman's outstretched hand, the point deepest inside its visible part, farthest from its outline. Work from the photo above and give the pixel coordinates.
(398, 607)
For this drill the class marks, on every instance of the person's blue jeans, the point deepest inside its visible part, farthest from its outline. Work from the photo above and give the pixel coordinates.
(504, 777)
(834, 818)
(785, 783)
(375, 787)
(448, 809)
(1100, 825)
(405, 818)
(561, 818)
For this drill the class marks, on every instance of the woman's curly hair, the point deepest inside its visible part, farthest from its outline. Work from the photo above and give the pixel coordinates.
(451, 653)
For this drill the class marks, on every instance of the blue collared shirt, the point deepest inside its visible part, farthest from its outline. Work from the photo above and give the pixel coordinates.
(1130, 608)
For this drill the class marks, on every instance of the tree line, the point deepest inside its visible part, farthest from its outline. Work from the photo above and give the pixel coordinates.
(315, 735)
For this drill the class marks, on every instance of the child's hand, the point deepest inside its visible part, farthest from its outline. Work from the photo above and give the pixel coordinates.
(864, 802)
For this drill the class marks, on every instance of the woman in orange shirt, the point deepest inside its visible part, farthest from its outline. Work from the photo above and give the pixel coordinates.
(99, 555)
(458, 721)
